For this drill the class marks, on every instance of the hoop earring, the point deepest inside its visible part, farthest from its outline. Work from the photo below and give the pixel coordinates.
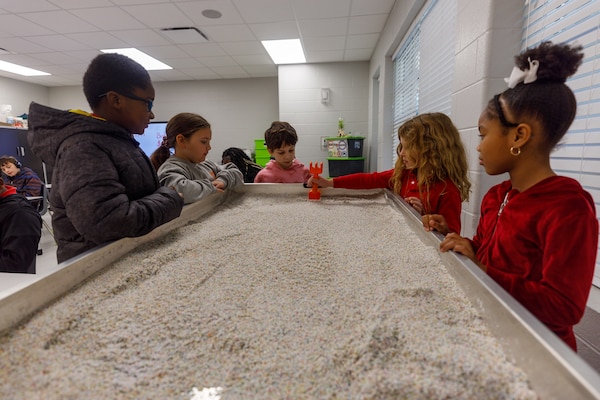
(512, 151)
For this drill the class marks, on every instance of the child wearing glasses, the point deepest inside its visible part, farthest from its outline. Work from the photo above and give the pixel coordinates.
(537, 236)
(188, 170)
(104, 187)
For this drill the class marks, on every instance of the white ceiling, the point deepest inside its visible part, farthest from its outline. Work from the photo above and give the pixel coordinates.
(62, 36)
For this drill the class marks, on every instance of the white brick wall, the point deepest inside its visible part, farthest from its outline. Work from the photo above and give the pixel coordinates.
(300, 104)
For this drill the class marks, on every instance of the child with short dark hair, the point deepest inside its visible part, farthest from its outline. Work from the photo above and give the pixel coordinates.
(537, 235)
(188, 170)
(20, 231)
(431, 172)
(26, 181)
(104, 187)
(281, 139)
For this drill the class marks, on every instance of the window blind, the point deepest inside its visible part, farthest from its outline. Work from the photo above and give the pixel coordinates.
(574, 22)
(424, 66)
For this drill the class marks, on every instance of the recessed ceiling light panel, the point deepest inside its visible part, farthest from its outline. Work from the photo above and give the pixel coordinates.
(288, 51)
(148, 62)
(20, 70)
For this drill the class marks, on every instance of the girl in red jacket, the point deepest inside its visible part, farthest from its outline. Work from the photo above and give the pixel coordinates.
(538, 233)
(430, 172)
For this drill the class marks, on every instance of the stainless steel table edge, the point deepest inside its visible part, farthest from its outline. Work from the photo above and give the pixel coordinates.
(555, 371)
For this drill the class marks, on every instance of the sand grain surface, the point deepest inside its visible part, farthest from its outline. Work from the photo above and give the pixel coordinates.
(269, 297)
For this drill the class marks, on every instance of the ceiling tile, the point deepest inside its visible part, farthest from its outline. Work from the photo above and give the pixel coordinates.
(18, 26)
(109, 18)
(56, 58)
(261, 70)
(201, 73)
(135, 2)
(141, 37)
(84, 56)
(180, 63)
(324, 56)
(193, 10)
(307, 9)
(368, 7)
(65, 35)
(357, 54)
(26, 6)
(367, 24)
(101, 39)
(203, 49)
(58, 42)
(276, 30)
(60, 22)
(74, 4)
(324, 43)
(159, 15)
(228, 33)
(168, 51)
(21, 46)
(218, 61)
(243, 48)
(30, 60)
(255, 59)
(265, 10)
(232, 72)
(367, 41)
(323, 27)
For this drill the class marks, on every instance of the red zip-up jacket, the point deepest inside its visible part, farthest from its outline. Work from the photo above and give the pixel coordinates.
(443, 197)
(541, 248)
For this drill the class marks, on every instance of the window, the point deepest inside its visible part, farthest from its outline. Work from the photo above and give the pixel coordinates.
(574, 22)
(424, 66)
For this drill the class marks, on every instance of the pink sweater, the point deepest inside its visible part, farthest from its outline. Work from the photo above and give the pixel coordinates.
(273, 173)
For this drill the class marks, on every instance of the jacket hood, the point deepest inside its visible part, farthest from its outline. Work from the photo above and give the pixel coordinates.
(49, 128)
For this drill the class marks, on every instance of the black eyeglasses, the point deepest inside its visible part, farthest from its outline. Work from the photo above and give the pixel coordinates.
(149, 103)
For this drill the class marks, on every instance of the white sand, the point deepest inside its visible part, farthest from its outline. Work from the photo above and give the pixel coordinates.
(270, 297)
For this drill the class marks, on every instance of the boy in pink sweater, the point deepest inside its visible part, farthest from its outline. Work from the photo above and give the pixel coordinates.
(281, 140)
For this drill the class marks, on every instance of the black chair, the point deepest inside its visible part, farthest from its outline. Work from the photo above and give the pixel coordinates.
(42, 206)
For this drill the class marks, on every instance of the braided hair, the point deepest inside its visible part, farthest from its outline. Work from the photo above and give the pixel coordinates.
(241, 160)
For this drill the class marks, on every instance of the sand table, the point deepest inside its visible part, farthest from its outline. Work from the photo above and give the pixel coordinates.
(269, 297)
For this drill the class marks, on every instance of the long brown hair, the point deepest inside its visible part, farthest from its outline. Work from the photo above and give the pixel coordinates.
(441, 154)
(185, 124)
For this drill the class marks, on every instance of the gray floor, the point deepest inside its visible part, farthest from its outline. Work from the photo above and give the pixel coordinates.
(587, 331)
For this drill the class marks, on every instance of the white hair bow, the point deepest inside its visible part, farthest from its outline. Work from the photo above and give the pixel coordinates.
(523, 75)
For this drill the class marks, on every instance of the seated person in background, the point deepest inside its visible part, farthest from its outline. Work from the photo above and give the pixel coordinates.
(430, 172)
(103, 185)
(20, 231)
(187, 170)
(26, 181)
(241, 160)
(281, 139)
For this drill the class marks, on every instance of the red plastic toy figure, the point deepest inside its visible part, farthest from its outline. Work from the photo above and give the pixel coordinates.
(315, 193)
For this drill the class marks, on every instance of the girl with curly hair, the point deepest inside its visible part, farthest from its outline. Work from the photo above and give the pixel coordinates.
(430, 172)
